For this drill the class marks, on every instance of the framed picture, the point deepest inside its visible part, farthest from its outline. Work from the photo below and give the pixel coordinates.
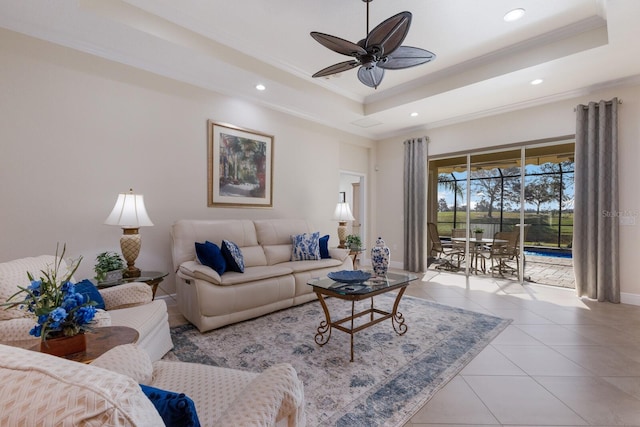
(240, 167)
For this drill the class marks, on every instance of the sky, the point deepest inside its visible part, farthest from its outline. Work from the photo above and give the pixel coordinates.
(477, 195)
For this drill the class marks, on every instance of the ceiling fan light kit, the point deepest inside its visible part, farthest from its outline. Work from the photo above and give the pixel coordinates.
(380, 50)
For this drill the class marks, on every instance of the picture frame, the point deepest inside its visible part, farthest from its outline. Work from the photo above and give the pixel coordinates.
(240, 167)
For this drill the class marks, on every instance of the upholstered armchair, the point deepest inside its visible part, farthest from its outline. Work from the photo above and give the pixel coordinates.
(129, 305)
(108, 392)
(223, 397)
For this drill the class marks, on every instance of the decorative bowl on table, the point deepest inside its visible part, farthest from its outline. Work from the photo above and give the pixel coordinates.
(349, 276)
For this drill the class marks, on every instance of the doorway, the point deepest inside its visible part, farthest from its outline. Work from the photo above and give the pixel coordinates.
(352, 184)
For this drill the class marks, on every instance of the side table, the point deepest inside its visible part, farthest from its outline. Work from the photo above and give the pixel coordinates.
(151, 278)
(353, 253)
(99, 341)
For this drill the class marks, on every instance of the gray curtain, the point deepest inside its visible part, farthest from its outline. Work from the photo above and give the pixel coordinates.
(415, 206)
(595, 224)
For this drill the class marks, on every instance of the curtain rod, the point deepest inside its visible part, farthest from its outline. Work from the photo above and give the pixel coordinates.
(606, 103)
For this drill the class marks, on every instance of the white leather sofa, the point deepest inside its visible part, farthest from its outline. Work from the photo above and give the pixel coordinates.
(270, 281)
(39, 389)
(129, 305)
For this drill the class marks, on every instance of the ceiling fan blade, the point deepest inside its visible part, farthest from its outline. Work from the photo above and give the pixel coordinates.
(371, 76)
(405, 57)
(337, 68)
(336, 44)
(390, 33)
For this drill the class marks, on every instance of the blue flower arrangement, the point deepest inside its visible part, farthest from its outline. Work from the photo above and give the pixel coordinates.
(58, 308)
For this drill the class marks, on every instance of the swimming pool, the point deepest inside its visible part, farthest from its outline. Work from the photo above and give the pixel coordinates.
(551, 252)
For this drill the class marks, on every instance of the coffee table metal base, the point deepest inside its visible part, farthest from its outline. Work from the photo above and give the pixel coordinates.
(324, 330)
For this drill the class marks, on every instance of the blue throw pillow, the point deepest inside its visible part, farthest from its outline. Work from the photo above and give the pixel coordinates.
(324, 247)
(175, 409)
(209, 254)
(233, 255)
(305, 247)
(90, 291)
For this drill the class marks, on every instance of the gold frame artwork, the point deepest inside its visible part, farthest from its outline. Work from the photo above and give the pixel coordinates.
(240, 167)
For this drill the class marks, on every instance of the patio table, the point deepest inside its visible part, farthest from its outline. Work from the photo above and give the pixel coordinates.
(475, 247)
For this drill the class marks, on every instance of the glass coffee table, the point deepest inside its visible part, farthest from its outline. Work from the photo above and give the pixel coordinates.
(356, 292)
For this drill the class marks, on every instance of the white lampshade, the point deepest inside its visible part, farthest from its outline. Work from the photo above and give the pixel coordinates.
(343, 212)
(129, 212)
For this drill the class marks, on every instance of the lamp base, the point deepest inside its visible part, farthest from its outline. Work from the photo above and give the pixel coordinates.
(130, 273)
(130, 243)
(342, 233)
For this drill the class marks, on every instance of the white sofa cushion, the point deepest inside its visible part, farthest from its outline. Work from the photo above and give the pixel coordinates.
(298, 266)
(274, 395)
(211, 388)
(126, 295)
(39, 389)
(279, 231)
(129, 360)
(199, 271)
(151, 320)
(276, 254)
(275, 237)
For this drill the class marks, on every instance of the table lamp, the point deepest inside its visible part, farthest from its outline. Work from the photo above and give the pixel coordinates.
(342, 215)
(130, 214)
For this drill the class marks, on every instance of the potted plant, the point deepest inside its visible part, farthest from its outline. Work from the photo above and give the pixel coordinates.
(478, 232)
(109, 267)
(353, 242)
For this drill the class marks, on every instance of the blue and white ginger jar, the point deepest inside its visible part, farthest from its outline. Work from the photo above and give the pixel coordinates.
(380, 258)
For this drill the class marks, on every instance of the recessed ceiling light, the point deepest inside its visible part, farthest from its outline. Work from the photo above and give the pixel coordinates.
(260, 86)
(536, 81)
(514, 15)
(414, 114)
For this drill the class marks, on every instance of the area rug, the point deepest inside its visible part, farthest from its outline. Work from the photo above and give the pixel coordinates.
(391, 376)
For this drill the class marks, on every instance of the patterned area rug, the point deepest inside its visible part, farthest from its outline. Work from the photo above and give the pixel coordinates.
(391, 376)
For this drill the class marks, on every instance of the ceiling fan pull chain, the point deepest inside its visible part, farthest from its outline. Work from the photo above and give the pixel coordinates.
(367, 1)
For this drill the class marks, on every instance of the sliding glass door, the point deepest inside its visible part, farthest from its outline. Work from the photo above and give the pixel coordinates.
(516, 199)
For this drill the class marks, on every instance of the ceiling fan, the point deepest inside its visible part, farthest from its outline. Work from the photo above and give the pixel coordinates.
(380, 50)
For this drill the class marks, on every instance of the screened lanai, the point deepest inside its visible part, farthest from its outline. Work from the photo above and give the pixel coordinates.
(485, 191)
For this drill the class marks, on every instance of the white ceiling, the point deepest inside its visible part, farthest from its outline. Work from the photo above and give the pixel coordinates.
(483, 65)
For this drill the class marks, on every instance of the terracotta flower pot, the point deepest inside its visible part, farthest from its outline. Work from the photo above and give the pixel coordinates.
(62, 346)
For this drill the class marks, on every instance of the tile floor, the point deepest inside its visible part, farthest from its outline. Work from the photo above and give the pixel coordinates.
(563, 361)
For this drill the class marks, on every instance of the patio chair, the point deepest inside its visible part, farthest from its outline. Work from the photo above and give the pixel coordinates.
(503, 249)
(459, 233)
(445, 253)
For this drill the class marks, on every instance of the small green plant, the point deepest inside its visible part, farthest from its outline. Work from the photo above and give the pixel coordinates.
(107, 261)
(353, 242)
(478, 230)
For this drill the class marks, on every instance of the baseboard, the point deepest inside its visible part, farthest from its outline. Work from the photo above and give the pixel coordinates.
(627, 298)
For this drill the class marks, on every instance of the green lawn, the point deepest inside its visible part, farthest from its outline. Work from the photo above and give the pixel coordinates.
(543, 230)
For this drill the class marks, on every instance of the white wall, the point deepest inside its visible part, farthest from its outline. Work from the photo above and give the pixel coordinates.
(549, 121)
(76, 130)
